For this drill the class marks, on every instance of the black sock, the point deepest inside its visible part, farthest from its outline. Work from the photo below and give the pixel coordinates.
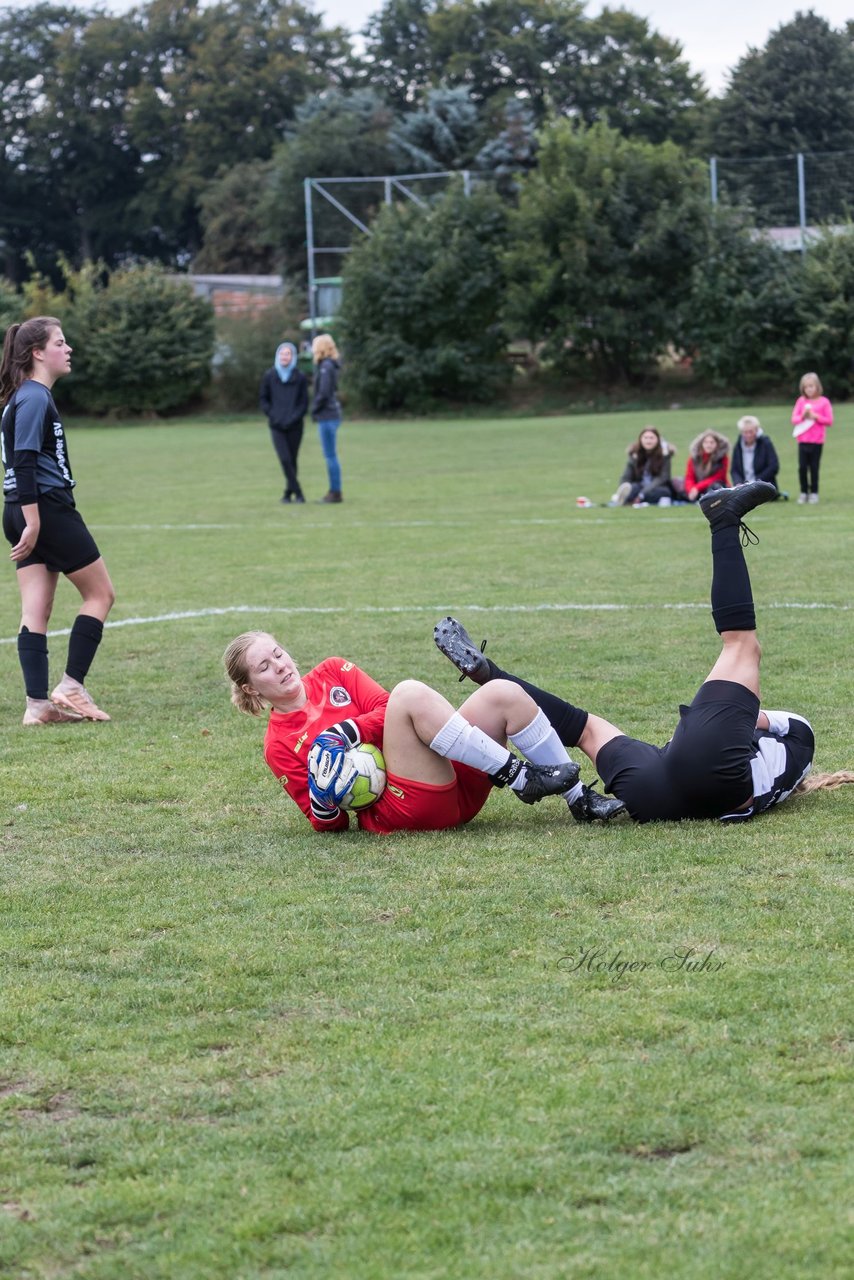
(732, 595)
(32, 655)
(567, 721)
(83, 645)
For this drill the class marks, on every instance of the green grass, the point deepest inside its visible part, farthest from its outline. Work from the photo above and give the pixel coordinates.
(232, 1048)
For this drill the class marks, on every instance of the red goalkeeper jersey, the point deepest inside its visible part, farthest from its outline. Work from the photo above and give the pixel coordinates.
(337, 690)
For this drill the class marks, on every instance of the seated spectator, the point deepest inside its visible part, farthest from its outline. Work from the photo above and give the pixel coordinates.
(754, 456)
(646, 478)
(708, 459)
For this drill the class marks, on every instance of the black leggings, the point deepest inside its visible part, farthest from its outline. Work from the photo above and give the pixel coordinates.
(286, 444)
(809, 460)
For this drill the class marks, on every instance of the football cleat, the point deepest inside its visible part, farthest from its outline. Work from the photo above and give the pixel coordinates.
(46, 712)
(75, 698)
(543, 780)
(593, 807)
(454, 641)
(725, 507)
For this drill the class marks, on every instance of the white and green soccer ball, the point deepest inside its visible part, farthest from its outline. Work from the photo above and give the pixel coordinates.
(370, 783)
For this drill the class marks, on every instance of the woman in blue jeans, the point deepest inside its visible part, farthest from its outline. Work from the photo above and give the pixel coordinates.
(326, 409)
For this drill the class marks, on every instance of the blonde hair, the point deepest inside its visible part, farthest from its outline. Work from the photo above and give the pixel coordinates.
(748, 421)
(323, 346)
(234, 661)
(817, 383)
(825, 781)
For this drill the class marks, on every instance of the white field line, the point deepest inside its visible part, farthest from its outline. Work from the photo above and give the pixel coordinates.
(308, 520)
(436, 610)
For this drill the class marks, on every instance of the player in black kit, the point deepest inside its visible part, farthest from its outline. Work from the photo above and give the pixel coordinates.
(45, 529)
(727, 759)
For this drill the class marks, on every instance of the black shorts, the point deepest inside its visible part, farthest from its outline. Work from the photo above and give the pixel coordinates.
(703, 771)
(64, 543)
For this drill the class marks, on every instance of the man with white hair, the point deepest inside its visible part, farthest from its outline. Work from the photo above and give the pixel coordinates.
(754, 456)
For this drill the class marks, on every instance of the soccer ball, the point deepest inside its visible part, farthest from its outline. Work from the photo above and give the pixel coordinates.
(370, 784)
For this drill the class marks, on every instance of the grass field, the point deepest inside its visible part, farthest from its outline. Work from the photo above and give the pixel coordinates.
(231, 1048)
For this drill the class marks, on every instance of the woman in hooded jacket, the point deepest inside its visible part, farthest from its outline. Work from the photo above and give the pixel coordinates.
(284, 399)
(326, 409)
(708, 461)
(647, 474)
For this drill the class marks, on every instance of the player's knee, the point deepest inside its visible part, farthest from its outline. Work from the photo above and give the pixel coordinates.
(410, 694)
(507, 694)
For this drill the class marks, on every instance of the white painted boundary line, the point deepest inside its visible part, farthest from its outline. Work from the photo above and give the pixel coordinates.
(304, 521)
(437, 610)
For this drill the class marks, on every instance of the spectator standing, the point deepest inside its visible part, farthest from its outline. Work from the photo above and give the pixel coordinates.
(284, 399)
(326, 409)
(811, 416)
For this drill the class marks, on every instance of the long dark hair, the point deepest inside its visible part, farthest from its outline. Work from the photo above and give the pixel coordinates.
(20, 343)
(641, 455)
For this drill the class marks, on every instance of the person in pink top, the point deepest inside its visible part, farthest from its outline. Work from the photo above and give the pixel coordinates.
(811, 416)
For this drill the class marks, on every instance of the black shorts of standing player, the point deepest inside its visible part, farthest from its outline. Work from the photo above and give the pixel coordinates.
(64, 543)
(728, 758)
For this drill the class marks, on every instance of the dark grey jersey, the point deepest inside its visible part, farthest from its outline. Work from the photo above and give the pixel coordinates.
(33, 442)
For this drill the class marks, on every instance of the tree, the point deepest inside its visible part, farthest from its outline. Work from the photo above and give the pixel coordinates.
(339, 135)
(221, 84)
(112, 127)
(512, 150)
(546, 53)
(142, 343)
(636, 80)
(445, 132)
(69, 168)
(826, 312)
(795, 95)
(421, 303)
(601, 249)
(10, 306)
(501, 47)
(235, 236)
(743, 314)
(398, 58)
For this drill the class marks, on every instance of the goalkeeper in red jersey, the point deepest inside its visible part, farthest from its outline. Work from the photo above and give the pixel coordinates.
(441, 763)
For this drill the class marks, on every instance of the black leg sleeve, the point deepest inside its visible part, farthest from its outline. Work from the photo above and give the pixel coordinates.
(32, 655)
(567, 721)
(82, 645)
(732, 595)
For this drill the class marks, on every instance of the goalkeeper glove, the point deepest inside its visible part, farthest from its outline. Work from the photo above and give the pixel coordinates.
(330, 774)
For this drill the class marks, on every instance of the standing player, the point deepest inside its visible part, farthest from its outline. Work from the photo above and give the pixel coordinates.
(441, 763)
(43, 525)
(727, 759)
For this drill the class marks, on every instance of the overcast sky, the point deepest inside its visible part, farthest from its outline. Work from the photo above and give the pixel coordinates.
(714, 35)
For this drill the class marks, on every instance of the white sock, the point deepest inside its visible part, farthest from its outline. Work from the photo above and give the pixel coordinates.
(539, 743)
(464, 742)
